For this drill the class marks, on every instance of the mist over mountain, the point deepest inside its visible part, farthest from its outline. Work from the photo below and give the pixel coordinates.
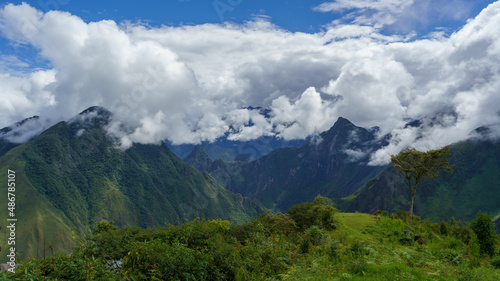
(333, 164)
(182, 84)
(73, 175)
(230, 150)
(474, 186)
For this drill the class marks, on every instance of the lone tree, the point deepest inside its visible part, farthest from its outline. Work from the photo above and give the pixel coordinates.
(415, 165)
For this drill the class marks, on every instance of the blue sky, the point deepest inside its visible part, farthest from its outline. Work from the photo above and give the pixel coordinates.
(188, 70)
(290, 15)
(294, 16)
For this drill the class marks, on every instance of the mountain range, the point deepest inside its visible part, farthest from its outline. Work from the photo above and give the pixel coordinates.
(238, 150)
(335, 165)
(73, 175)
(473, 186)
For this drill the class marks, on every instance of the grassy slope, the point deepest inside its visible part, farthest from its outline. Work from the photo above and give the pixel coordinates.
(39, 221)
(368, 248)
(69, 182)
(363, 247)
(474, 186)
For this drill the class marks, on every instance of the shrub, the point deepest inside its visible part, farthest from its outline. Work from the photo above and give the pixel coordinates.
(155, 260)
(495, 262)
(278, 223)
(63, 267)
(307, 214)
(315, 235)
(443, 228)
(484, 228)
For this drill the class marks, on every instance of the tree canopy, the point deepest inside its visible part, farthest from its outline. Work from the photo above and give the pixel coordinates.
(416, 165)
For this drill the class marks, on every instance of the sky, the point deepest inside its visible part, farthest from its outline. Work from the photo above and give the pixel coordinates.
(187, 70)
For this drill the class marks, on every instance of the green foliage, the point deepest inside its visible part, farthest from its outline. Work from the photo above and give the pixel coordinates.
(495, 262)
(270, 247)
(308, 214)
(73, 176)
(156, 260)
(415, 165)
(443, 228)
(484, 228)
(315, 235)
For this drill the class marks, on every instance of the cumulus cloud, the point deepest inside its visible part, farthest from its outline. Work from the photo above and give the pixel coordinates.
(191, 84)
(399, 15)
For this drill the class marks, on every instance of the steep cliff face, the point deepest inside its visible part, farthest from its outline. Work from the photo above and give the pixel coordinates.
(333, 164)
(73, 175)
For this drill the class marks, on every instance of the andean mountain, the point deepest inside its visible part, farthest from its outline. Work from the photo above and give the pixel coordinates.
(474, 186)
(72, 175)
(333, 164)
(238, 150)
(327, 166)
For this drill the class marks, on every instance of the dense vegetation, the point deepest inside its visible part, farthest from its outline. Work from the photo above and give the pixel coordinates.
(473, 186)
(73, 175)
(311, 242)
(333, 164)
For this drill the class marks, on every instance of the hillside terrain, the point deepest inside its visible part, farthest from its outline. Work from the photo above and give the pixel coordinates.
(72, 176)
(474, 186)
(333, 164)
(310, 242)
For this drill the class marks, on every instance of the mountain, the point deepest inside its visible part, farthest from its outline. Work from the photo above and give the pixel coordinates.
(199, 159)
(230, 150)
(72, 175)
(9, 134)
(237, 150)
(474, 186)
(333, 164)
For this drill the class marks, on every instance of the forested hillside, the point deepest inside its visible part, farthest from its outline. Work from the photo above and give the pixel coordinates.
(73, 175)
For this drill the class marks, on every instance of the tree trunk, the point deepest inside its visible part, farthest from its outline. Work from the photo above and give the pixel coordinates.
(411, 215)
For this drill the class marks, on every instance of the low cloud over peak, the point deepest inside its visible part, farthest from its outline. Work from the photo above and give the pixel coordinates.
(194, 83)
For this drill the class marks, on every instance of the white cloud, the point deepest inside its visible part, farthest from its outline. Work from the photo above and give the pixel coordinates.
(308, 115)
(189, 83)
(399, 15)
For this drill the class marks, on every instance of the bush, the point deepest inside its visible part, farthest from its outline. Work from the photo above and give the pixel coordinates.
(155, 260)
(278, 223)
(63, 267)
(495, 262)
(308, 214)
(443, 228)
(484, 228)
(315, 235)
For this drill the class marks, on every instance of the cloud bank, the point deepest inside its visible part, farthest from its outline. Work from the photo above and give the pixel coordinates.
(189, 84)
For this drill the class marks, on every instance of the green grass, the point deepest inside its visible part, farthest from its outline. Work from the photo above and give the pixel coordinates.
(273, 247)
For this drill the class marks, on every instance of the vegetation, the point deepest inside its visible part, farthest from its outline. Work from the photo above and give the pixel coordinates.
(350, 246)
(73, 175)
(484, 229)
(292, 175)
(415, 165)
(472, 187)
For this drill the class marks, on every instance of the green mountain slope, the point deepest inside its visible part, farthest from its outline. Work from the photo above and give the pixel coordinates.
(474, 186)
(332, 164)
(199, 159)
(72, 176)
